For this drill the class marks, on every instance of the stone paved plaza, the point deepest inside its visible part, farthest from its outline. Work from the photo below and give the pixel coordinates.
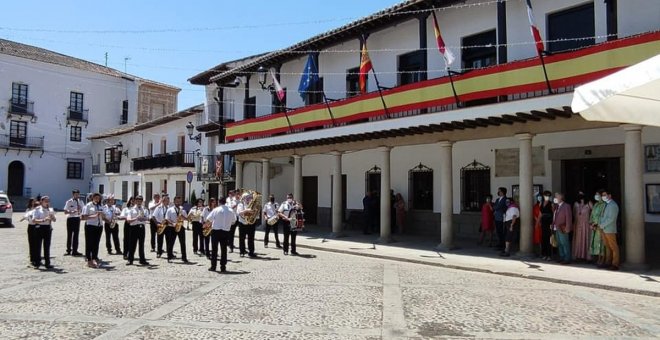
(319, 295)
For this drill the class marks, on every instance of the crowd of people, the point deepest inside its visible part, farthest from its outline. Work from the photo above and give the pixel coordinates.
(371, 211)
(585, 231)
(213, 227)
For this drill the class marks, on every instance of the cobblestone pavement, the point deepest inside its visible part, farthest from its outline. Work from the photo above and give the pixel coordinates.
(318, 295)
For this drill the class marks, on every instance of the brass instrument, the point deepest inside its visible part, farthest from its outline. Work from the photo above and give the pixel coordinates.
(253, 200)
(297, 219)
(160, 228)
(179, 223)
(206, 229)
(273, 220)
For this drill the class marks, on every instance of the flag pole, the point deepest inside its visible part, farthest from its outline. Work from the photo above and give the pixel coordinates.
(545, 72)
(453, 88)
(380, 92)
(327, 105)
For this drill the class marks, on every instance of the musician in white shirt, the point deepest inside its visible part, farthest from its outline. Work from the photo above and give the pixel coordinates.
(93, 216)
(111, 215)
(270, 212)
(221, 220)
(195, 216)
(137, 216)
(153, 205)
(245, 229)
(158, 217)
(285, 211)
(126, 229)
(172, 217)
(232, 203)
(31, 230)
(72, 209)
(42, 217)
(207, 239)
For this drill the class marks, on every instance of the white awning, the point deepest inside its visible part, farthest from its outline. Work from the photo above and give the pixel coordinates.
(631, 95)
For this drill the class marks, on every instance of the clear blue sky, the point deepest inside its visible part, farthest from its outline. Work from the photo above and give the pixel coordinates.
(199, 34)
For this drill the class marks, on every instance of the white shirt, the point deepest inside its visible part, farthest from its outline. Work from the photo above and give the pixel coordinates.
(29, 216)
(206, 212)
(172, 214)
(239, 209)
(510, 213)
(199, 211)
(134, 212)
(111, 211)
(40, 213)
(221, 218)
(96, 212)
(270, 209)
(152, 205)
(285, 209)
(74, 207)
(159, 214)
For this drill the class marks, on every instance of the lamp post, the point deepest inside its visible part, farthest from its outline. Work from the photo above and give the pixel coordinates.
(191, 130)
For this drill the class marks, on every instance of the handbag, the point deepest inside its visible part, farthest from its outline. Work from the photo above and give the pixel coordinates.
(553, 241)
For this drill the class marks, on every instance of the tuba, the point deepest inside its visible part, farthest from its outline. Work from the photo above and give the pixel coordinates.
(252, 201)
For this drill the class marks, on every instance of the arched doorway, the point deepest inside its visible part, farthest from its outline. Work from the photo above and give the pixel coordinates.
(15, 178)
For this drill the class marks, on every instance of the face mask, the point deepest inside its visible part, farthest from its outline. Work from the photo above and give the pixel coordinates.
(556, 200)
(547, 198)
(605, 199)
(289, 200)
(538, 199)
(597, 197)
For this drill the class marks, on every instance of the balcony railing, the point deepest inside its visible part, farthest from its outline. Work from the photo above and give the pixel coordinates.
(75, 114)
(28, 143)
(96, 169)
(112, 168)
(18, 106)
(510, 81)
(168, 160)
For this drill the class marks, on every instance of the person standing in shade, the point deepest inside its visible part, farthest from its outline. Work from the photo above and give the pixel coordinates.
(111, 214)
(196, 217)
(174, 214)
(72, 209)
(596, 242)
(547, 213)
(285, 212)
(607, 223)
(562, 223)
(93, 216)
(270, 211)
(499, 210)
(153, 205)
(42, 217)
(511, 225)
(581, 215)
(137, 217)
(367, 211)
(221, 219)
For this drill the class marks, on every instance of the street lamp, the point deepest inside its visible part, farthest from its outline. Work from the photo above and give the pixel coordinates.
(263, 73)
(191, 130)
(120, 148)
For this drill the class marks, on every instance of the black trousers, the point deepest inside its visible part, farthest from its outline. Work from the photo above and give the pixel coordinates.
(170, 237)
(43, 234)
(181, 235)
(246, 231)
(288, 233)
(222, 237)
(159, 241)
(152, 228)
(274, 228)
(127, 237)
(72, 232)
(546, 248)
(92, 241)
(499, 229)
(114, 233)
(198, 237)
(33, 236)
(137, 239)
(207, 245)
(232, 235)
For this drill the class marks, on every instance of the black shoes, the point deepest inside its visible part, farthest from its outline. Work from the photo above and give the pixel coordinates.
(286, 252)
(49, 266)
(144, 263)
(278, 246)
(68, 253)
(223, 269)
(505, 254)
(212, 269)
(294, 253)
(75, 253)
(129, 263)
(252, 255)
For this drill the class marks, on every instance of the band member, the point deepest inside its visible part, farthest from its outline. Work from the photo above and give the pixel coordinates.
(207, 239)
(93, 216)
(286, 211)
(31, 230)
(155, 203)
(232, 203)
(165, 236)
(245, 230)
(126, 230)
(270, 213)
(196, 217)
(111, 215)
(72, 209)
(175, 215)
(137, 217)
(221, 219)
(42, 217)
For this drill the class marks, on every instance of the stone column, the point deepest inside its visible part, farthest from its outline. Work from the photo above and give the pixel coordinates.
(385, 200)
(265, 184)
(297, 178)
(526, 191)
(446, 197)
(239, 174)
(337, 209)
(633, 197)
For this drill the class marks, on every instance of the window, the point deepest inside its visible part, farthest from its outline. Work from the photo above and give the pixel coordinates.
(574, 23)
(124, 112)
(75, 134)
(412, 67)
(112, 155)
(124, 191)
(148, 190)
(475, 186)
(372, 180)
(17, 133)
(181, 189)
(420, 184)
(136, 190)
(150, 149)
(278, 106)
(163, 146)
(163, 185)
(76, 102)
(250, 108)
(74, 169)
(101, 189)
(182, 144)
(353, 82)
(315, 94)
(19, 96)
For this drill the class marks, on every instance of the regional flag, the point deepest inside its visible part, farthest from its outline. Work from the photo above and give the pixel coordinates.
(309, 77)
(278, 88)
(442, 48)
(535, 30)
(365, 67)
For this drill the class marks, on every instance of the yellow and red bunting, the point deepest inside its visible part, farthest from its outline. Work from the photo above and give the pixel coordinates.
(564, 69)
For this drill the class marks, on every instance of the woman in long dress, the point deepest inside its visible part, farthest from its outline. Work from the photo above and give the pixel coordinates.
(487, 221)
(582, 228)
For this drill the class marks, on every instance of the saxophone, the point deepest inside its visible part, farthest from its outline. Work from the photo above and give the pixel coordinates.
(179, 223)
(253, 199)
(160, 228)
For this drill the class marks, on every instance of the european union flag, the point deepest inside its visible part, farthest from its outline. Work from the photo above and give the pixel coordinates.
(309, 77)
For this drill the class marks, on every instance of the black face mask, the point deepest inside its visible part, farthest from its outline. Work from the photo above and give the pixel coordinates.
(272, 200)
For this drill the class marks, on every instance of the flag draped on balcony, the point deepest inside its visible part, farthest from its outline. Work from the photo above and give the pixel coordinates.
(309, 77)
(278, 88)
(535, 30)
(442, 48)
(365, 67)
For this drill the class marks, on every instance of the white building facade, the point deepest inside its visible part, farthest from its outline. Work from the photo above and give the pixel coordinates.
(506, 126)
(51, 104)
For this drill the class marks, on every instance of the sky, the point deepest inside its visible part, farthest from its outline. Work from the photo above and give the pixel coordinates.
(170, 41)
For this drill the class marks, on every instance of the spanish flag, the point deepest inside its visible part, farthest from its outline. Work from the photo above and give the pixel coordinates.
(365, 67)
(446, 53)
